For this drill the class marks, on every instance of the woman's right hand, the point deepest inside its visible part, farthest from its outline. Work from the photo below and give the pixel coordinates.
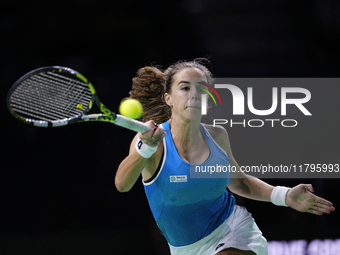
(154, 136)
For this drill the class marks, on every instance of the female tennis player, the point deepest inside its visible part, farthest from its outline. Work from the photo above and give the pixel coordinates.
(197, 216)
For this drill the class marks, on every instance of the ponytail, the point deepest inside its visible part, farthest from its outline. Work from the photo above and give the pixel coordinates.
(148, 88)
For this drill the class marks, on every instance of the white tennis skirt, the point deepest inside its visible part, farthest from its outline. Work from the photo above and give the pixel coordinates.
(238, 231)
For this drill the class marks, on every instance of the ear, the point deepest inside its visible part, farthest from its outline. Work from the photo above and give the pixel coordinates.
(168, 100)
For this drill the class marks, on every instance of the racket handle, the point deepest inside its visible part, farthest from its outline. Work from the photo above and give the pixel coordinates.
(131, 124)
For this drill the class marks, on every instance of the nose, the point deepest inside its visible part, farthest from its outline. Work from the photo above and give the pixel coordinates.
(194, 93)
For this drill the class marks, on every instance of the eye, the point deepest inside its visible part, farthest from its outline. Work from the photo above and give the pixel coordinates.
(186, 88)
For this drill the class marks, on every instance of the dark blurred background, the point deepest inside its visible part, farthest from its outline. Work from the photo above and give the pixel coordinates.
(57, 185)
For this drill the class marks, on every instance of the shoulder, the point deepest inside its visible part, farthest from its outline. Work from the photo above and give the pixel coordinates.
(220, 136)
(216, 132)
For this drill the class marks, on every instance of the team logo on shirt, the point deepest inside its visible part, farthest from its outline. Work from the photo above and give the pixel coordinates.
(178, 178)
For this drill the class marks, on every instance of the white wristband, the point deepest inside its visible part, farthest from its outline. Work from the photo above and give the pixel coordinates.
(145, 150)
(278, 196)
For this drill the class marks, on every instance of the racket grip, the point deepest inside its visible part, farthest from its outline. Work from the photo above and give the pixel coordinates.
(131, 124)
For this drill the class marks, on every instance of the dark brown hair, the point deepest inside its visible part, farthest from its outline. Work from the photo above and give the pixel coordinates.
(150, 85)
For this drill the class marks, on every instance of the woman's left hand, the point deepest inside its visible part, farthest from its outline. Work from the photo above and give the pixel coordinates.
(302, 199)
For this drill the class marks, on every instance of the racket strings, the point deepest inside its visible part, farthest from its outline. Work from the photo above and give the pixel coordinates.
(72, 90)
(50, 96)
(72, 86)
(30, 95)
(23, 103)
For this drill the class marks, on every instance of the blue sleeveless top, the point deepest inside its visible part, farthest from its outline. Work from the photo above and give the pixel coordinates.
(188, 209)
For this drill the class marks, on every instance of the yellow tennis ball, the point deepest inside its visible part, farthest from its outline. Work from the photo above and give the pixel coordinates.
(131, 108)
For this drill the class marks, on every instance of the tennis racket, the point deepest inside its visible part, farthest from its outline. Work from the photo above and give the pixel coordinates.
(56, 96)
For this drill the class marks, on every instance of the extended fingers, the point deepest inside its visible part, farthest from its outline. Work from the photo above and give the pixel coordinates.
(320, 206)
(302, 199)
(323, 205)
(315, 211)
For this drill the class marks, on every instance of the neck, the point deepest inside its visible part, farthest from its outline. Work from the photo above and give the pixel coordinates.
(186, 135)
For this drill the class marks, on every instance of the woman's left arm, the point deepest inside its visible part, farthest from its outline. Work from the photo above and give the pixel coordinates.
(300, 197)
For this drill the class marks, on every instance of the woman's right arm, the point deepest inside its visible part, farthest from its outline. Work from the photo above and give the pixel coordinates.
(134, 164)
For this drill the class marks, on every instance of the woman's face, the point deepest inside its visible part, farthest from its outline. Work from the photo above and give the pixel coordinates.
(185, 96)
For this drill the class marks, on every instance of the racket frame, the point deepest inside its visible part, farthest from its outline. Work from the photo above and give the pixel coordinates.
(105, 116)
